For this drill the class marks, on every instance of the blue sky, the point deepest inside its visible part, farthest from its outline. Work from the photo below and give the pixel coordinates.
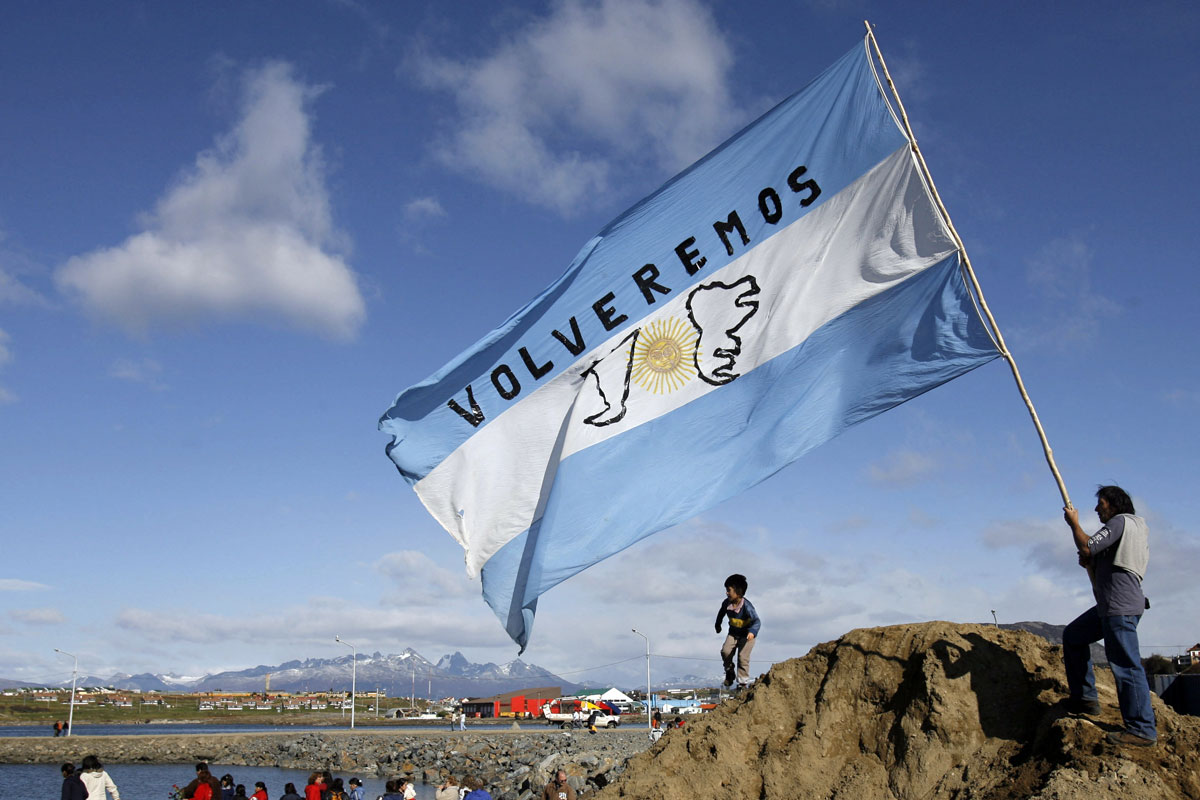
(230, 234)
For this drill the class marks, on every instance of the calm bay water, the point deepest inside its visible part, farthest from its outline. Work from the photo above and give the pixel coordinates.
(155, 781)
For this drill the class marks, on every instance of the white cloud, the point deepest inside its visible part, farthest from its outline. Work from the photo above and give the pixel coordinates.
(903, 468)
(38, 616)
(13, 263)
(1046, 546)
(1068, 310)
(1183, 398)
(424, 208)
(6, 396)
(145, 371)
(18, 585)
(14, 292)
(410, 568)
(246, 232)
(306, 630)
(641, 83)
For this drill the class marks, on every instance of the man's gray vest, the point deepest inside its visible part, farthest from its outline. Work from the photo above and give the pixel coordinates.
(1133, 549)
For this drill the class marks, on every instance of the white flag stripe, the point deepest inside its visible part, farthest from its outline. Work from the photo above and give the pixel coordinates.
(874, 234)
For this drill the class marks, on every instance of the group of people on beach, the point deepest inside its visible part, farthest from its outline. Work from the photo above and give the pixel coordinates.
(61, 728)
(89, 782)
(321, 785)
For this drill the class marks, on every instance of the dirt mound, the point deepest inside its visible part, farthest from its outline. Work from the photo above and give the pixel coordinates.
(932, 711)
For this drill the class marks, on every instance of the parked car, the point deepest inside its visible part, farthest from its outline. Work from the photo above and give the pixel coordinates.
(561, 713)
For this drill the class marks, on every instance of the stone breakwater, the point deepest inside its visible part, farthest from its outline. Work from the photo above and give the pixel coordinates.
(513, 764)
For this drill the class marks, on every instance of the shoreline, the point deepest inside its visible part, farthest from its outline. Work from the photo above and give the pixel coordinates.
(502, 757)
(397, 724)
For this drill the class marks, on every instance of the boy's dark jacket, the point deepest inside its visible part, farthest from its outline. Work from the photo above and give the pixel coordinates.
(741, 623)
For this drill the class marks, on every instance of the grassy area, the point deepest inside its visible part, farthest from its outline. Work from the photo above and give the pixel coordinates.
(22, 710)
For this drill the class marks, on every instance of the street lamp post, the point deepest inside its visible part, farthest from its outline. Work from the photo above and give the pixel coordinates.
(74, 675)
(353, 674)
(649, 709)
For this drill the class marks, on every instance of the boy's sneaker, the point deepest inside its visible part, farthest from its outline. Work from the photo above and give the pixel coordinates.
(730, 677)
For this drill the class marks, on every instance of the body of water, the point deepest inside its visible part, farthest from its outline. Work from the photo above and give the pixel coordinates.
(156, 781)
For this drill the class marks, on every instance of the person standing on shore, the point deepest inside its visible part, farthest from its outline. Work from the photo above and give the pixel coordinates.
(228, 787)
(57, 728)
(96, 780)
(558, 789)
(448, 790)
(356, 790)
(289, 792)
(315, 787)
(476, 790)
(260, 791)
(1116, 557)
(205, 787)
(72, 787)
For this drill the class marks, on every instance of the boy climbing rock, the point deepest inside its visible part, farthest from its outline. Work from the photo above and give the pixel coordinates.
(743, 630)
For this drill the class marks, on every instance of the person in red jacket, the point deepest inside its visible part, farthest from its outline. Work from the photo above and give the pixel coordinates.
(315, 787)
(205, 787)
(260, 791)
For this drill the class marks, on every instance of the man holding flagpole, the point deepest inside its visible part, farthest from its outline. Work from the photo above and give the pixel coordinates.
(1116, 557)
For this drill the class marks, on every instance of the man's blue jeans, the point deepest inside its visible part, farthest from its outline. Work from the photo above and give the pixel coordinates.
(1121, 647)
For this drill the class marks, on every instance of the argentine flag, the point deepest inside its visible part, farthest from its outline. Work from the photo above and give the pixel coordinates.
(795, 281)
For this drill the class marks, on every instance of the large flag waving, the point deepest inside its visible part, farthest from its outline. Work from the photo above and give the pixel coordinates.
(795, 281)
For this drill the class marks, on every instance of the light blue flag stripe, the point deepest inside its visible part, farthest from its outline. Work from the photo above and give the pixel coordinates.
(831, 293)
(881, 353)
(838, 127)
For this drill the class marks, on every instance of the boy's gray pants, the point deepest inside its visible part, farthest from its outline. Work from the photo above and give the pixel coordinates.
(743, 646)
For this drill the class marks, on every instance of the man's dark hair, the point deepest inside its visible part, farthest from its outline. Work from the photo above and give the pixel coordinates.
(1116, 498)
(68, 770)
(737, 583)
(91, 762)
(202, 766)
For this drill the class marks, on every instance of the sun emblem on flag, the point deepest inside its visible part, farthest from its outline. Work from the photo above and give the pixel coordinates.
(664, 357)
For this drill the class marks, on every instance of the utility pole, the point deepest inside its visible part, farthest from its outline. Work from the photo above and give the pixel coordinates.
(649, 710)
(74, 676)
(353, 676)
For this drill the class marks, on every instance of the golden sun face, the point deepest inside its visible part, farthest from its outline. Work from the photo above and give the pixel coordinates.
(664, 356)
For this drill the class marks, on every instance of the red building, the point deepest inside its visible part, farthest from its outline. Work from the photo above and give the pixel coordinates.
(521, 703)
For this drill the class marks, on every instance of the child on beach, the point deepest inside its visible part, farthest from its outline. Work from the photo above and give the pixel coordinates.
(743, 630)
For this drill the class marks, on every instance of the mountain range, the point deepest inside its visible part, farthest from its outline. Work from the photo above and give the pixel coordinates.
(399, 675)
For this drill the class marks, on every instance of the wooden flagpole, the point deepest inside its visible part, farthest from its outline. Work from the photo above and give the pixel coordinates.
(999, 337)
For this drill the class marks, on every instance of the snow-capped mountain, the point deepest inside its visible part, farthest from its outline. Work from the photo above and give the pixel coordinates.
(399, 675)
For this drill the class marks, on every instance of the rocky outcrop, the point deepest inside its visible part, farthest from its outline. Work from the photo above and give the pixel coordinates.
(934, 711)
